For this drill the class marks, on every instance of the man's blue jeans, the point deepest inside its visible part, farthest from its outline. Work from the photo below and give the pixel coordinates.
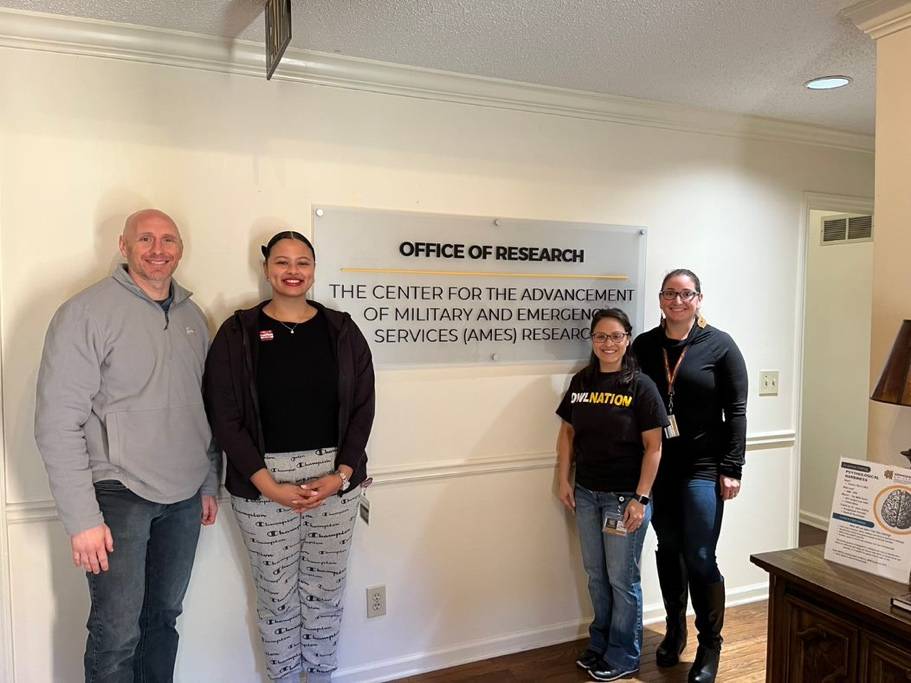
(613, 567)
(135, 604)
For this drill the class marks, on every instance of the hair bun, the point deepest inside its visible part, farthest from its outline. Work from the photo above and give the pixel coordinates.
(286, 235)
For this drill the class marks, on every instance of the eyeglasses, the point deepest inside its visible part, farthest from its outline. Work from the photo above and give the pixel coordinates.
(671, 294)
(615, 337)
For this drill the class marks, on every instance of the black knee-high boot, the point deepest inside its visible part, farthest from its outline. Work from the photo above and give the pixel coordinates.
(708, 602)
(672, 578)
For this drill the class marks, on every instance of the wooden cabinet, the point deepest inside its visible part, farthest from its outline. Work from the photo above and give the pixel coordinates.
(884, 663)
(832, 624)
(822, 647)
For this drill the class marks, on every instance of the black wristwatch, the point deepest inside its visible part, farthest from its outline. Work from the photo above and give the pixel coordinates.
(643, 500)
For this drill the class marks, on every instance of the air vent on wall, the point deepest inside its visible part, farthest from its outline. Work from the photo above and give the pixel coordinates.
(845, 229)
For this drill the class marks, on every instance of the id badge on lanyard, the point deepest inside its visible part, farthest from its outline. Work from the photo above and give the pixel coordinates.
(613, 522)
(672, 431)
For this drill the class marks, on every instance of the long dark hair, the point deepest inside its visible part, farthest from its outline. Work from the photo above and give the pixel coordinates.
(628, 366)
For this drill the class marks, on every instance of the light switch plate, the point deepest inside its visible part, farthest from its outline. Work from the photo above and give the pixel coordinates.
(768, 382)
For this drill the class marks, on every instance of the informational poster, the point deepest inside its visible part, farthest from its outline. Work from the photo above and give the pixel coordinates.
(870, 527)
(438, 289)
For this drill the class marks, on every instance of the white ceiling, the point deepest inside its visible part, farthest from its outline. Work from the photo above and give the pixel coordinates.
(741, 56)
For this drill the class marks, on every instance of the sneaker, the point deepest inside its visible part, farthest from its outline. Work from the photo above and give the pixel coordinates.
(588, 660)
(605, 672)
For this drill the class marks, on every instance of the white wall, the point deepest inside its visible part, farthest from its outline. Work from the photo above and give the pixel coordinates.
(835, 397)
(476, 554)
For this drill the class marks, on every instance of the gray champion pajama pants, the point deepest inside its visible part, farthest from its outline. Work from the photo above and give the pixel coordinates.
(299, 562)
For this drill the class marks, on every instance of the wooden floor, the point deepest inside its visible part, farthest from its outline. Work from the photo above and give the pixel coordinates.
(742, 659)
(810, 536)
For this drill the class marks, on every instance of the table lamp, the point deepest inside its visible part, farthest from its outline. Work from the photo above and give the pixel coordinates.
(895, 383)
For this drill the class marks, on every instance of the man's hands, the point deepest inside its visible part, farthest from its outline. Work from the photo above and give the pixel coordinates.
(209, 510)
(91, 548)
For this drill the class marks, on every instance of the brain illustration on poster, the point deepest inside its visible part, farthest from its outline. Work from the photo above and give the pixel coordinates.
(436, 289)
(895, 508)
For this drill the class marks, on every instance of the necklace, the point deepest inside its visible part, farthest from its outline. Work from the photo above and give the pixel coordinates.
(288, 327)
(310, 314)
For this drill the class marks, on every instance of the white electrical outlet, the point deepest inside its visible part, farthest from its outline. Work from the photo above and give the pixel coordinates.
(768, 382)
(376, 602)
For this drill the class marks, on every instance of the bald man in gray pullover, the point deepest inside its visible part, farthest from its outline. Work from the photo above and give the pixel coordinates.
(123, 433)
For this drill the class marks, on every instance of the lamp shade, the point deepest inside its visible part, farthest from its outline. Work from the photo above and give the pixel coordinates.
(895, 383)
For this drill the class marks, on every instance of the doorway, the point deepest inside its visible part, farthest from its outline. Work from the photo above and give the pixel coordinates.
(835, 368)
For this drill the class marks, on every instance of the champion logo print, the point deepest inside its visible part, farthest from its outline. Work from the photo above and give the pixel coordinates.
(266, 335)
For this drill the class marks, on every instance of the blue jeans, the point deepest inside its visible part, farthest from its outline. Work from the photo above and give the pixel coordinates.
(612, 564)
(687, 522)
(135, 604)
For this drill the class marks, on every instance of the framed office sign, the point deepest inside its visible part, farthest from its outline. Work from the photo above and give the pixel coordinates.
(434, 289)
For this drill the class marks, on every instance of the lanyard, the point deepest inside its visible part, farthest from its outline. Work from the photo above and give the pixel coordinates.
(672, 376)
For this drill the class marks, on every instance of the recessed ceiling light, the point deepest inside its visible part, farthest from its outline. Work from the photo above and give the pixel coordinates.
(828, 82)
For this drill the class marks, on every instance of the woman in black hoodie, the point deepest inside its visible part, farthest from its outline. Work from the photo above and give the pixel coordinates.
(289, 392)
(700, 373)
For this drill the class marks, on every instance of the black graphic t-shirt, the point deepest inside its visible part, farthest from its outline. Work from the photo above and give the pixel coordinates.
(608, 418)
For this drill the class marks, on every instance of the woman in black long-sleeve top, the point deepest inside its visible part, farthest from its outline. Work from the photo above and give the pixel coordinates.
(701, 375)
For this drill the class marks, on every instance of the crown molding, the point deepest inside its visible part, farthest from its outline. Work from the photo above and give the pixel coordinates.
(879, 18)
(77, 36)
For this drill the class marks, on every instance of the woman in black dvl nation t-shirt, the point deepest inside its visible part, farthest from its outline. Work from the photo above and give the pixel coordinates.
(612, 419)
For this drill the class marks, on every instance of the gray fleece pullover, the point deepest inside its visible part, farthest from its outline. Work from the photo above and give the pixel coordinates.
(119, 398)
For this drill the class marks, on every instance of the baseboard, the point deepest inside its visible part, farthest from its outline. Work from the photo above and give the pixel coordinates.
(815, 521)
(465, 653)
(653, 614)
(747, 594)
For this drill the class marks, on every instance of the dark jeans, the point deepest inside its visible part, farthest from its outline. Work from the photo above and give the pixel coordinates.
(135, 604)
(687, 521)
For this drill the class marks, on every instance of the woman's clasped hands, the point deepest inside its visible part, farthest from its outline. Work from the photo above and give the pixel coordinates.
(306, 496)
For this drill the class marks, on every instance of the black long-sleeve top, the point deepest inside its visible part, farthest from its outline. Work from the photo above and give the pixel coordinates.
(710, 401)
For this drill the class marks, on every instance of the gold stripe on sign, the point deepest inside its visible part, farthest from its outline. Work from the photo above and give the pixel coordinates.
(468, 273)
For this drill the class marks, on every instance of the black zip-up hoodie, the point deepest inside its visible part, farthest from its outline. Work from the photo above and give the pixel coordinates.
(232, 405)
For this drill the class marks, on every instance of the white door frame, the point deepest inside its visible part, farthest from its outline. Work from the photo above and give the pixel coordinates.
(6, 610)
(812, 201)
